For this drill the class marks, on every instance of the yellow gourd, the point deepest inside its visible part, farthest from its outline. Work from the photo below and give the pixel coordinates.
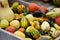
(20, 34)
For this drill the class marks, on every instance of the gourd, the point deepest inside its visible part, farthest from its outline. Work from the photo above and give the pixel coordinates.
(57, 26)
(32, 7)
(45, 37)
(21, 8)
(28, 34)
(24, 22)
(38, 14)
(5, 11)
(17, 16)
(4, 23)
(28, 29)
(53, 32)
(15, 23)
(37, 25)
(22, 30)
(53, 13)
(20, 34)
(30, 17)
(14, 5)
(45, 26)
(34, 33)
(42, 32)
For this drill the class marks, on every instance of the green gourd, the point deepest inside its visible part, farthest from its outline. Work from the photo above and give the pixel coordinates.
(34, 33)
(24, 22)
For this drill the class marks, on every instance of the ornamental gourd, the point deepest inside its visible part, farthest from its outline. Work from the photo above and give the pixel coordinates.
(53, 32)
(20, 34)
(34, 33)
(32, 7)
(21, 8)
(45, 37)
(5, 11)
(15, 23)
(37, 25)
(45, 26)
(30, 17)
(24, 22)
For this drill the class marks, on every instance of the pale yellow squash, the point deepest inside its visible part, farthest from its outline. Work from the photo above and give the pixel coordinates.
(5, 11)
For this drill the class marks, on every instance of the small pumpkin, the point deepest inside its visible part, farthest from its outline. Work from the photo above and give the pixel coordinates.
(32, 7)
(43, 9)
(57, 20)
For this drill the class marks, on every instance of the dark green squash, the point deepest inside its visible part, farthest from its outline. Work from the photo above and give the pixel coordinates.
(38, 14)
(28, 35)
(42, 32)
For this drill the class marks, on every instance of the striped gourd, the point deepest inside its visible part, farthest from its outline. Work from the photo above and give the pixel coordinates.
(24, 22)
(21, 8)
(34, 33)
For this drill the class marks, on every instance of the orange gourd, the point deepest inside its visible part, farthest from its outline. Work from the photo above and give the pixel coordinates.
(32, 7)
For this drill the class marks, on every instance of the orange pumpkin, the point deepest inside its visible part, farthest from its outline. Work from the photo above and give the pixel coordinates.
(32, 7)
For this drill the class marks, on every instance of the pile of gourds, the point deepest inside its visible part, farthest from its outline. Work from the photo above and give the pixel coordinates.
(33, 22)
